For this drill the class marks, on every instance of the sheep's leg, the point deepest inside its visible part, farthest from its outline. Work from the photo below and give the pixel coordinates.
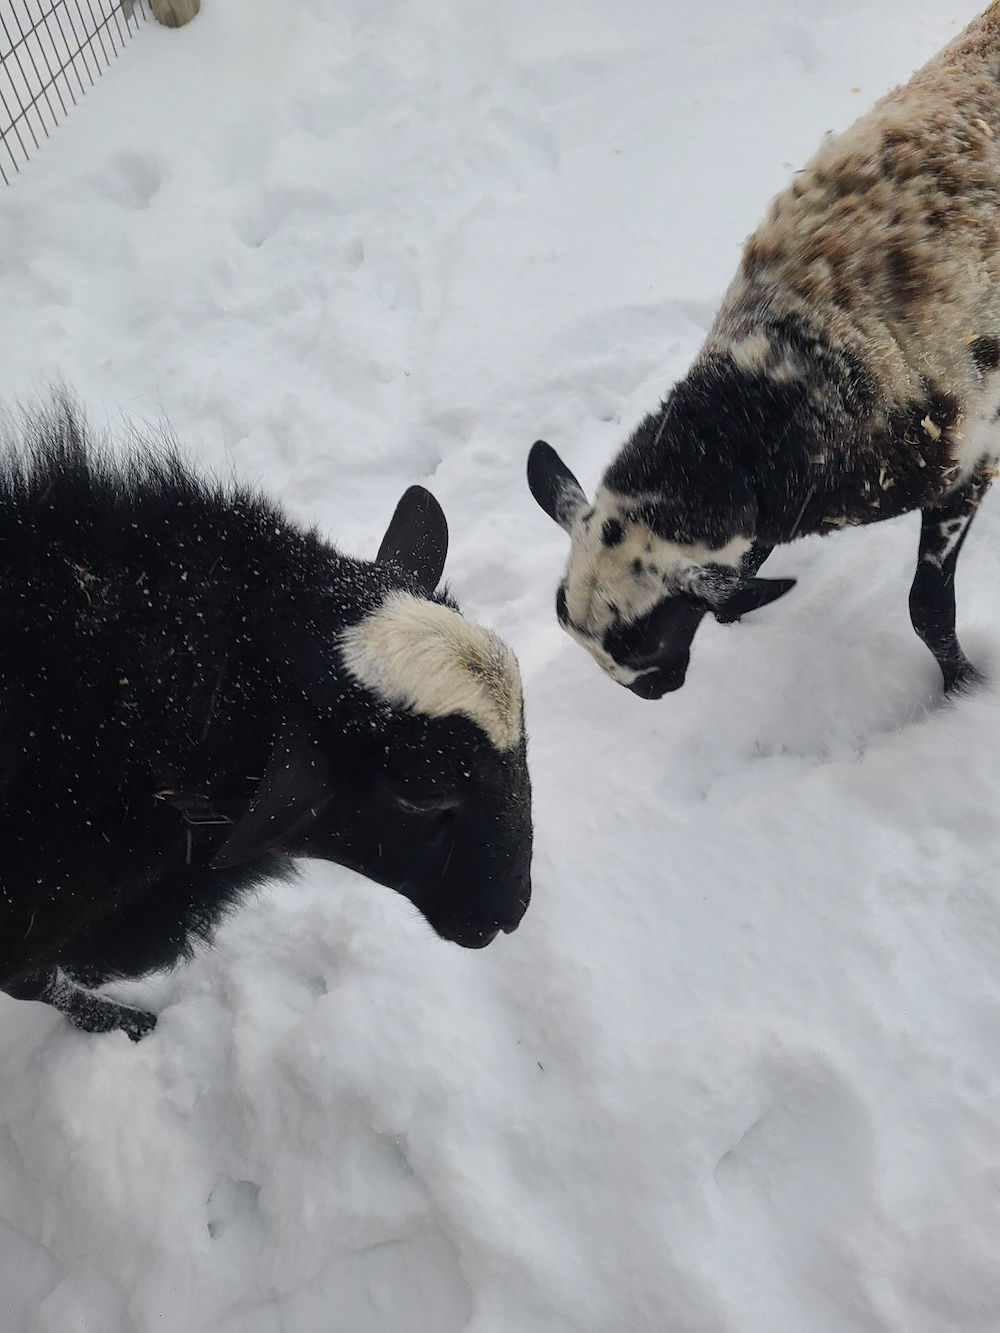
(87, 976)
(92, 1013)
(932, 595)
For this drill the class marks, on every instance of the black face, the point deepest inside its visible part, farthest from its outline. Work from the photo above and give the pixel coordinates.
(426, 806)
(658, 646)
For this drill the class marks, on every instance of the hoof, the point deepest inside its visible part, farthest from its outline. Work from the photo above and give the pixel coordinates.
(963, 679)
(138, 1024)
(95, 1013)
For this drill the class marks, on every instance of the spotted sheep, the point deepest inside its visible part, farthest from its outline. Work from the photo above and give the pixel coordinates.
(851, 375)
(194, 693)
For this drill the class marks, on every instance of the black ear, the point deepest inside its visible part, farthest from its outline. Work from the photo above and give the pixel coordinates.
(417, 538)
(752, 595)
(553, 485)
(290, 794)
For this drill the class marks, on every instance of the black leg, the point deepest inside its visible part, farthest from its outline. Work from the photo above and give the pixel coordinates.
(156, 931)
(92, 1013)
(932, 595)
(86, 975)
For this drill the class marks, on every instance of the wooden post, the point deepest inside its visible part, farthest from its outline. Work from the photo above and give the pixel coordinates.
(174, 13)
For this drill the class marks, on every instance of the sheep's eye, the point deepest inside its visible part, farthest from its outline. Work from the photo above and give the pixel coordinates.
(425, 803)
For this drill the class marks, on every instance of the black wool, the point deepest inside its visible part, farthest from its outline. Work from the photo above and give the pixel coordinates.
(176, 720)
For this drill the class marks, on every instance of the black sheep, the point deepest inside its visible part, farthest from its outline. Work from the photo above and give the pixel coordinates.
(193, 691)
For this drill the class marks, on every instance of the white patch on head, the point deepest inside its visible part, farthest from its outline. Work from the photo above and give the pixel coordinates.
(618, 584)
(426, 657)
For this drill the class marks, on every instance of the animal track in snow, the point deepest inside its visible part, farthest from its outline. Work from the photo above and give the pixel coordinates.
(796, 1189)
(796, 40)
(317, 985)
(233, 1207)
(132, 179)
(811, 1136)
(277, 206)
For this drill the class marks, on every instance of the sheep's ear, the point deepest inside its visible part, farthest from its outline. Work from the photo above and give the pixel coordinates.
(290, 794)
(751, 596)
(417, 538)
(554, 486)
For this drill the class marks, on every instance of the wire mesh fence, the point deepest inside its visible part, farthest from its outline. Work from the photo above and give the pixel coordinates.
(51, 52)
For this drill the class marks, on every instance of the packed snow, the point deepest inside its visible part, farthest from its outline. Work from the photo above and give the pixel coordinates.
(739, 1069)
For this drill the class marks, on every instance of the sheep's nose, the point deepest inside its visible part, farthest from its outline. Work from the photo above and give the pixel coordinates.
(513, 919)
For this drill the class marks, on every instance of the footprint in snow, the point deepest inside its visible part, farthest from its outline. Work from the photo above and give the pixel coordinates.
(131, 179)
(279, 206)
(798, 1187)
(233, 1208)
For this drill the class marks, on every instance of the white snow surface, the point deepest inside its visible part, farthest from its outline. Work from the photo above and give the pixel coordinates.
(739, 1069)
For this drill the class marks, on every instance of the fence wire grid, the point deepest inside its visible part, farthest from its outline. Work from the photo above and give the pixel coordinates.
(51, 52)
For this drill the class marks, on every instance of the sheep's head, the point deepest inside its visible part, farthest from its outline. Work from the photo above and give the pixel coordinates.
(632, 597)
(415, 775)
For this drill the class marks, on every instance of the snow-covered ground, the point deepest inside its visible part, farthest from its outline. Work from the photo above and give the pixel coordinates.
(739, 1070)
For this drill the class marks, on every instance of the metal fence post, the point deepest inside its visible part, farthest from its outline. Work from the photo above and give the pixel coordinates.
(174, 13)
